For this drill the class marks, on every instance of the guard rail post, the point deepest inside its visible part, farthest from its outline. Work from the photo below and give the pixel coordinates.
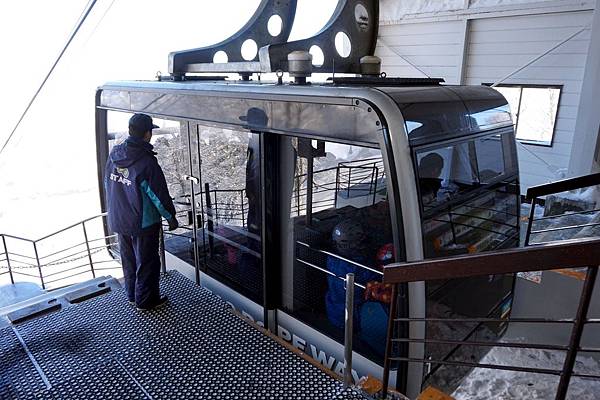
(37, 259)
(348, 330)
(530, 222)
(210, 217)
(87, 245)
(374, 184)
(349, 182)
(12, 279)
(388, 343)
(577, 332)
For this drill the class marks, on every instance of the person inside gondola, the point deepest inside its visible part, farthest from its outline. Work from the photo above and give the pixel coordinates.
(430, 169)
(371, 306)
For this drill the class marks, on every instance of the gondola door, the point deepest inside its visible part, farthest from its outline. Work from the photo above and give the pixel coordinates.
(171, 142)
(226, 166)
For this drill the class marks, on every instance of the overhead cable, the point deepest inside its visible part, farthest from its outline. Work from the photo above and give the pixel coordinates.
(99, 22)
(402, 57)
(553, 168)
(545, 53)
(82, 19)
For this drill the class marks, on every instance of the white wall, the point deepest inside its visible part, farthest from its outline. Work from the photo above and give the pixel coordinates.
(435, 47)
(394, 10)
(473, 45)
(499, 46)
(587, 129)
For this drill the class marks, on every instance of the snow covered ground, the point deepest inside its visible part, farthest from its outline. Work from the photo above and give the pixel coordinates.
(496, 384)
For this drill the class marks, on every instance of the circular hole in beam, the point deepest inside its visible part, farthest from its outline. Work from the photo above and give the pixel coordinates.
(362, 17)
(249, 50)
(275, 25)
(342, 44)
(220, 57)
(318, 56)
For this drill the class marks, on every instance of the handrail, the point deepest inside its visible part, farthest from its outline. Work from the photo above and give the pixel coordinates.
(533, 194)
(53, 233)
(54, 258)
(72, 226)
(16, 237)
(563, 185)
(573, 253)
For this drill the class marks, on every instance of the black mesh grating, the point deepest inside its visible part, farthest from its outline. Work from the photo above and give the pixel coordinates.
(191, 348)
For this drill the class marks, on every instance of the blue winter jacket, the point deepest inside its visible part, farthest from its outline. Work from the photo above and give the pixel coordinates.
(136, 190)
(335, 300)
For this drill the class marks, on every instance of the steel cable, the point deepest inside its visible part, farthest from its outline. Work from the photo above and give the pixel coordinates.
(82, 19)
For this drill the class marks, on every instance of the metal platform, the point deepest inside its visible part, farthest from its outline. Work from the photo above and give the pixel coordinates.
(192, 348)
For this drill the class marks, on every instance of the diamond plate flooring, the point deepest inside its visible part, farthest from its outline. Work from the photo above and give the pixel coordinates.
(191, 348)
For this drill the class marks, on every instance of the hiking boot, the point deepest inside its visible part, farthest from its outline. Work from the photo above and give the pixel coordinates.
(154, 304)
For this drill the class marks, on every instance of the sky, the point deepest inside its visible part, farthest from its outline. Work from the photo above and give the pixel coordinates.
(48, 176)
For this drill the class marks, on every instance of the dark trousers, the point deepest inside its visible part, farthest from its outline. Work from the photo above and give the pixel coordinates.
(141, 266)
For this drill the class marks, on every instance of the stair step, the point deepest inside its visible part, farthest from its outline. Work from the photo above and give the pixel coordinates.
(87, 293)
(34, 310)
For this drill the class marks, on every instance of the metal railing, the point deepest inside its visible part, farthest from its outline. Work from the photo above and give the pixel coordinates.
(348, 280)
(534, 194)
(231, 205)
(59, 256)
(226, 205)
(361, 176)
(574, 254)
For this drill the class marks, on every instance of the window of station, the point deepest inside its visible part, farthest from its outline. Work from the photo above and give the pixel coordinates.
(534, 109)
(229, 205)
(170, 142)
(338, 218)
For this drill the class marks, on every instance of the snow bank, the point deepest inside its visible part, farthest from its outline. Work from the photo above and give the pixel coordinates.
(496, 384)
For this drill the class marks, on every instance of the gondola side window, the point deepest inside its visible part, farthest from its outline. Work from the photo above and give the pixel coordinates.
(446, 172)
(467, 196)
(340, 216)
(490, 158)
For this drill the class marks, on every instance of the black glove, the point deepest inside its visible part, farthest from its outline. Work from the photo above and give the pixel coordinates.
(173, 224)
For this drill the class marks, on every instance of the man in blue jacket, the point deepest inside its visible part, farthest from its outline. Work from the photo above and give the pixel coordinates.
(137, 197)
